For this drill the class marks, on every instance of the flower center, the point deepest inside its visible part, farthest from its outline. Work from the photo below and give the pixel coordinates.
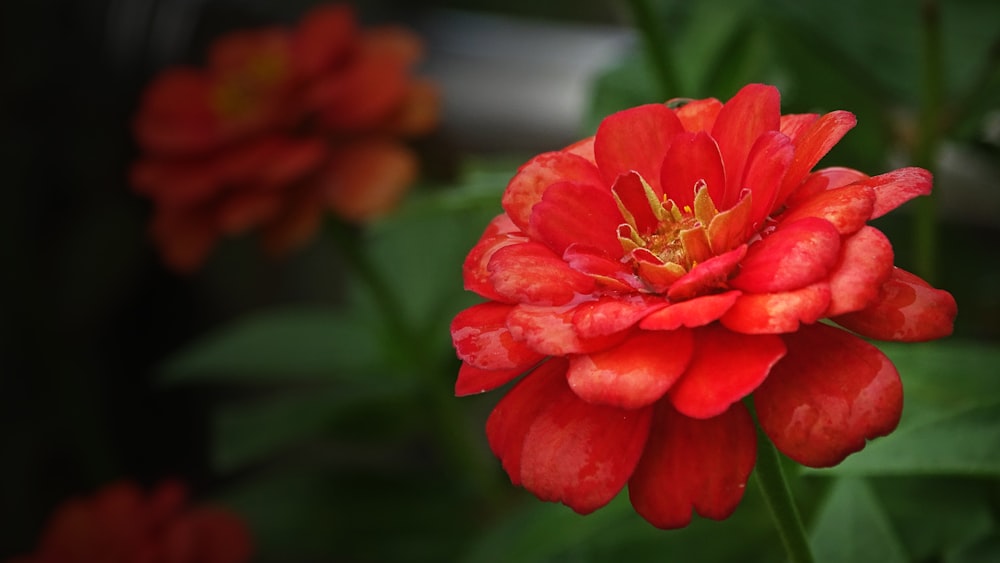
(660, 253)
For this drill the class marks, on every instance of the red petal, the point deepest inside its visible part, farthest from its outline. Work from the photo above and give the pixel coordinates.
(699, 115)
(584, 148)
(536, 175)
(726, 367)
(481, 338)
(632, 194)
(695, 312)
(830, 393)
(707, 276)
(756, 108)
(897, 187)
(633, 374)
(608, 315)
(572, 213)
(550, 331)
(812, 145)
(605, 271)
(561, 448)
(690, 464)
(472, 380)
(794, 124)
(865, 264)
(475, 269)
(908, 310)
(691, 159)
(324, 35)
(848, 208)
(766, 166)
(776, 313)
(635, 139)
(795, 255)
(530, 273)
(825, 179)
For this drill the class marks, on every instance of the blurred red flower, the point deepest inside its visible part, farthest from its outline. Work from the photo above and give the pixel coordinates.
(649, 278)
(120, 524)
(280, 125)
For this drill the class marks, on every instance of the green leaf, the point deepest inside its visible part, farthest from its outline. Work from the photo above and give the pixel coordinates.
(934, 515)
(539, 532)
(951, 417)
(419, 251)
(280, 345)
(251, 430)
(852, 527)
(983, 550)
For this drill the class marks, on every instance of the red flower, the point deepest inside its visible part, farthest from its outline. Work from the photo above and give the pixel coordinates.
(280, 125)
(649, 278)
(119, 524)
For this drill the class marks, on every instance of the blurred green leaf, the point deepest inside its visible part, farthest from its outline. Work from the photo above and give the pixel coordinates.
(251, 430)
(983, 550)
(396, 508)
(281, 345)
(542, 532)
(419, 250)
(934, 515)
(951, 417)
(852, 527)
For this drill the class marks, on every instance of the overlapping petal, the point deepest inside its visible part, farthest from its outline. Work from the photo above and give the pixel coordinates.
(635, 373)
(666, 269)
(692, 465)
(908, 309)
(312, 115)
(828, 395)
(562, 448)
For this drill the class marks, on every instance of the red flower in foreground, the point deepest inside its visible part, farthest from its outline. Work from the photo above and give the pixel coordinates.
(119, 524)
(280, 125)
(647, 279)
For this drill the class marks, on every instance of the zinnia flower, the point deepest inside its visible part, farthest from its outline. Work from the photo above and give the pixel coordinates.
(120, 524)
(280, 125)
(646, 280)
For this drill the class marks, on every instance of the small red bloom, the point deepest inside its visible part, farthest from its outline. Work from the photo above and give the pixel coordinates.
(120, 524)
(646, 280)
(278, 126)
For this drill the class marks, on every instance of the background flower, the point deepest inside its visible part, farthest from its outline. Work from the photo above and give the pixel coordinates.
(122, 524)
(279, 126)
(283, 389)
(666, 268)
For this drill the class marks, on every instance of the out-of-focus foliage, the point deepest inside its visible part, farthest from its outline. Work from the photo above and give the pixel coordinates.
(314, 396)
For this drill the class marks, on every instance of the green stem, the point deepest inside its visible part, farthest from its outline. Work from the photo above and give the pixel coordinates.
(654, 37)
(460, 445)
(928, 138)
(771, 479)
